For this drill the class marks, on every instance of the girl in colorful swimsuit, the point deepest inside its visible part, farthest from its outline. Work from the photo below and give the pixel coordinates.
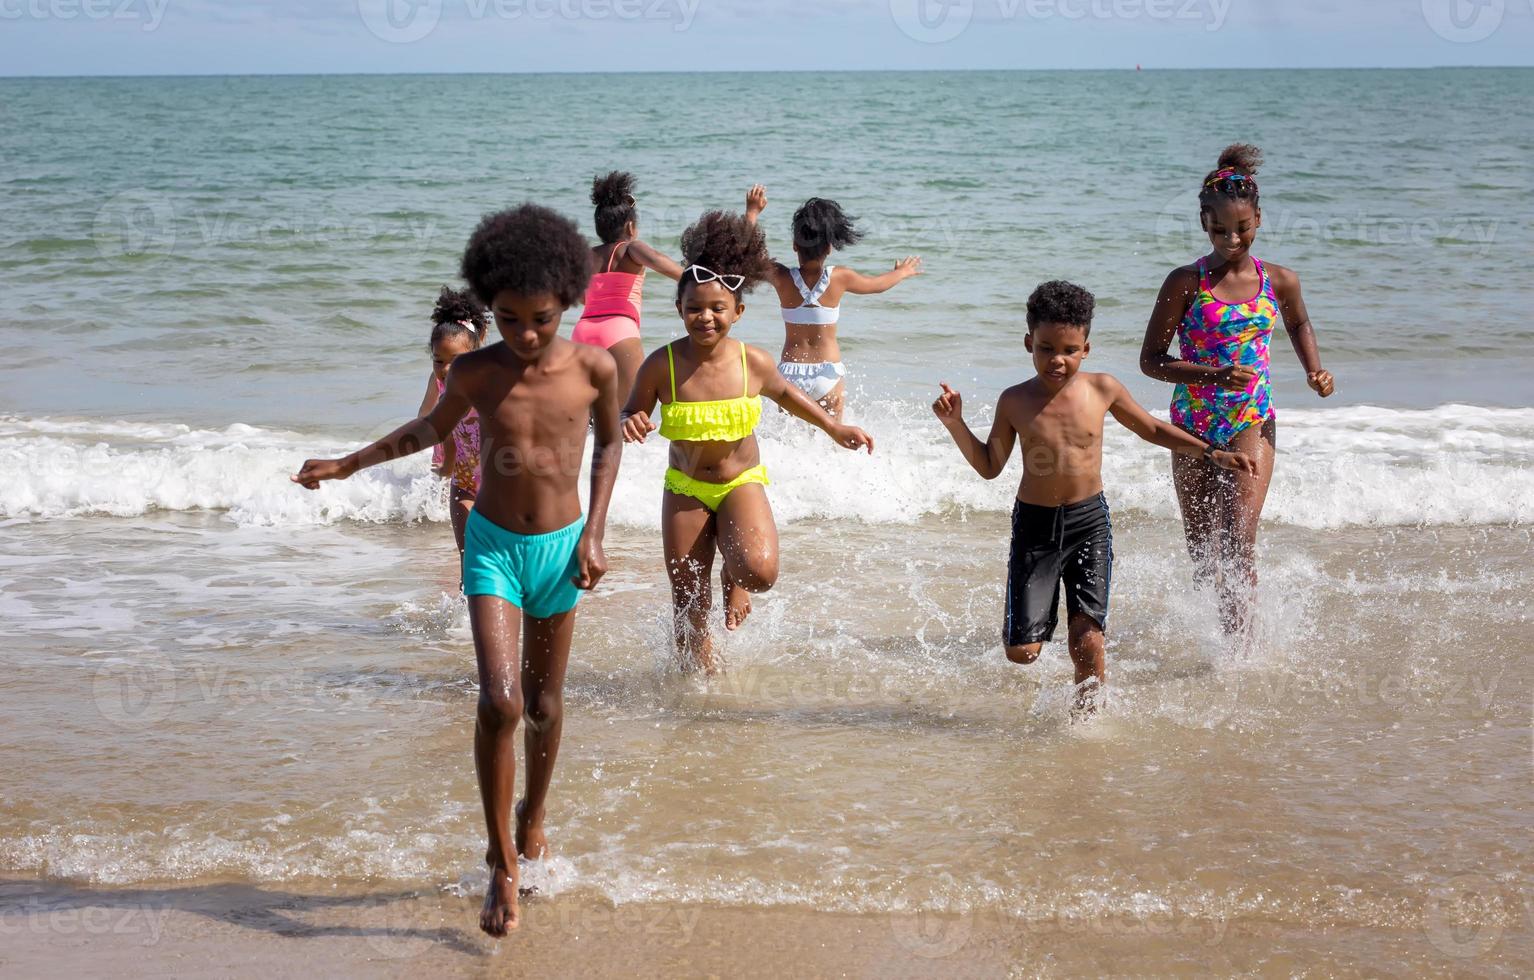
(710, 388)
(458, 326)
(615, 297)
(1222, 309)
(811, 296)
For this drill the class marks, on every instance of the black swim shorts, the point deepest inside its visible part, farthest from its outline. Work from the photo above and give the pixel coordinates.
(1071, 544)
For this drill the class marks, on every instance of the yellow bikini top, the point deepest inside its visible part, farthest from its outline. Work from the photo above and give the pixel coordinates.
(724, 420)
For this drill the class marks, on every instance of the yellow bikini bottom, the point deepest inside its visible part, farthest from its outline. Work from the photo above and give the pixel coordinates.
(711, 495)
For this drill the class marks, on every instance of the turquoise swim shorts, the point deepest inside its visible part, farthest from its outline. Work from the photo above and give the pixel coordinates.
(531, 571)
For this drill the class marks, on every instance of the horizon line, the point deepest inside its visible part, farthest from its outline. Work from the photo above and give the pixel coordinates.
(1138, 69)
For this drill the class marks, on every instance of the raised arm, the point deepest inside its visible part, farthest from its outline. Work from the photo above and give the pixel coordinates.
(1286, 283)
(606, 453)
(1136, 419)
(412, 437)
(988, 458)
(648, 257)
(634, 421)
(756, 202)
(861, 285)
(796, 403)
(1171, 306)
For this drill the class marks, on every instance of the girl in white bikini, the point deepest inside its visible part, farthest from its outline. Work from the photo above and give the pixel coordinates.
(812, 359)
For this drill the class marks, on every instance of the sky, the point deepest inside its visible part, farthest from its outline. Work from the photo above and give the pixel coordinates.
(175, 37)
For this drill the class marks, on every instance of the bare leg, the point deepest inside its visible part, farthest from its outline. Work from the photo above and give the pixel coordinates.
(496, 623)
(1243, 497)
(630, 355)
(1198, 485)
(748, 543)
(460, 505)
(1025, 654)
(1087, 654)
(688, 535)
(545, 655)
(835, 402)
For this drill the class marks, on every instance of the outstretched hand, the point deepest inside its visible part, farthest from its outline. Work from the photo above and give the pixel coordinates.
(1322, 382)
(909, 266)
(591, 562)
(1240, 462)
(637, 426)
(949, 406)
(756, 200)
(316, 471)
(851, 437)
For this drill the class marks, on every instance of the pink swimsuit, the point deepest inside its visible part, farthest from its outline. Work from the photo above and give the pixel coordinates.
(612, 306)
(466, 449)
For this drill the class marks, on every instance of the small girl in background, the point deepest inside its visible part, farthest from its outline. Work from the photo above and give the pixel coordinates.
(458, 326)
(610, 319)
(812, 359)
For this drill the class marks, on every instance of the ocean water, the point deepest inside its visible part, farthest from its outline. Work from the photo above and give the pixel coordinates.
(207, 280)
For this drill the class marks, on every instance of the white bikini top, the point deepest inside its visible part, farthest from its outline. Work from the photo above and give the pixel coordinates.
(811, 313)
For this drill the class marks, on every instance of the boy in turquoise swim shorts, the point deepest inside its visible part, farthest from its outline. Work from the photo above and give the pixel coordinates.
(528, 551)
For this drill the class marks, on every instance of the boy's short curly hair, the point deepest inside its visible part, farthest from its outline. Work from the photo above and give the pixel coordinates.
(528, 250)
(729, 245)
(1059, 301)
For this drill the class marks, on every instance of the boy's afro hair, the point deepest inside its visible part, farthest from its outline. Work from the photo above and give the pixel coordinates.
(1061, 302)
(528, 249)
(729, 245)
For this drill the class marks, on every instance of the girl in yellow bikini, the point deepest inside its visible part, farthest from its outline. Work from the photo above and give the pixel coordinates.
(710, 390)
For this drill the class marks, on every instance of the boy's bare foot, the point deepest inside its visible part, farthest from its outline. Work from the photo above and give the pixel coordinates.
(1089, 698)
(501, 913)
(531, 843)
(737, 603)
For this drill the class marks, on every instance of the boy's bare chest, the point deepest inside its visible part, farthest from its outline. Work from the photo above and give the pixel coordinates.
(1073, 423)
(537, 412)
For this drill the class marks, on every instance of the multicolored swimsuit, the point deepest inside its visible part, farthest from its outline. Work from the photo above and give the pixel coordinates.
(466, 446)
(1220, 334)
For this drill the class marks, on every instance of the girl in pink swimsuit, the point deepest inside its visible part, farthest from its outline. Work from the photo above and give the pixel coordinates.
(615, 297)
(458, 326)
(1222, 309)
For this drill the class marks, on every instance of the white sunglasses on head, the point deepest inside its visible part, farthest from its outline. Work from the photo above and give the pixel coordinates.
(701, 275)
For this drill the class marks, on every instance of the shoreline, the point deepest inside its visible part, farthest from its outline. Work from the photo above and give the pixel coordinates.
(240, 929)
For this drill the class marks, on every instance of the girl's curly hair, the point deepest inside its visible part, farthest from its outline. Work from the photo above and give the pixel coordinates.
(528, 249)
(728, 245)
(456, 307)
(613, 197)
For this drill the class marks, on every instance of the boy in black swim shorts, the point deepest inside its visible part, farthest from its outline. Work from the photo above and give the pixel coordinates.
(1061, 531)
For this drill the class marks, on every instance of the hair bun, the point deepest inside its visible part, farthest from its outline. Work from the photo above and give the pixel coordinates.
(1243, 158)
(616, 190)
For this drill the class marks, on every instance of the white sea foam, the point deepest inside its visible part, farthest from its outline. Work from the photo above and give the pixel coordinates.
(1358, 466)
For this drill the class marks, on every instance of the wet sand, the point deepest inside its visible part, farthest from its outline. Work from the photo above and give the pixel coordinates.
(239, 930)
